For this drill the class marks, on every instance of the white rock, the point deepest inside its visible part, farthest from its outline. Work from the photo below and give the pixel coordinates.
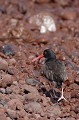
(43, 29)
(44, 21)
(49, 23)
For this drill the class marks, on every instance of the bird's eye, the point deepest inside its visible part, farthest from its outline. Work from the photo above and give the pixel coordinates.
(45, 53)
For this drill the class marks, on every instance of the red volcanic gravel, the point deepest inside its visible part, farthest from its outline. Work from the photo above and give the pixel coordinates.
(25, 93)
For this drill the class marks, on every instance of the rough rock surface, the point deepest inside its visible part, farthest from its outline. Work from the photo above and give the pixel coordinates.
(25, 93)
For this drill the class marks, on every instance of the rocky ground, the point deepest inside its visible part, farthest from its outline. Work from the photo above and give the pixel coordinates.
(25, 94)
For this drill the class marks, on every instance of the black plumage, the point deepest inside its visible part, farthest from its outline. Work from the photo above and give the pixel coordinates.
(53, 69)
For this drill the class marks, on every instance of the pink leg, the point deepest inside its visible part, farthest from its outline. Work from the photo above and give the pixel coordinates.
(62, 96)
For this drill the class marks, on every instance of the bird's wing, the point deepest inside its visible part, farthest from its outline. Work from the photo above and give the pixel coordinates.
(57, 69)
(48, 72)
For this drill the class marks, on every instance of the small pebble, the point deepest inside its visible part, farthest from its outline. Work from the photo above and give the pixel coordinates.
(68, 15)
(3, 64)
(22, 9)
(77, 109)
(68, 118)
(58, 118)
(30, 89)
(2, 9)
(21, 113)
(8, 118)
(11, 70)
(8, 90)
(15, 83)
(41, 1)
(12, 62)
(32, 96)
(2, 90)
(54, 111)
(26, 117)
(3, 102)
(8, 49)
(33, 82)
(73, 114)
(77, 80)
(73, 94)
(12, 114)
(6, 80)
(77, 117)
(13, 22)
(33, 107)
(62, 2)
(15, 103)
(31, 56)
(3, 117)
(37, 116)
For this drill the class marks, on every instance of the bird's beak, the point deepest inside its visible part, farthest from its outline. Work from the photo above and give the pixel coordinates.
(37, 58)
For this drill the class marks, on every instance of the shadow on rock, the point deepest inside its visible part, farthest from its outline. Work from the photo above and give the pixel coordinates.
(52, 94)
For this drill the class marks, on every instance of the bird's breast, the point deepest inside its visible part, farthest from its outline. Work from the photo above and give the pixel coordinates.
(48, 73)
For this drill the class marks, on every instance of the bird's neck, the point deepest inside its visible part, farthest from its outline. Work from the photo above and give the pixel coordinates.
(49, 59)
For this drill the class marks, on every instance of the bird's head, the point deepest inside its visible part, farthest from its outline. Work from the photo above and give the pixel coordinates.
(48, 54)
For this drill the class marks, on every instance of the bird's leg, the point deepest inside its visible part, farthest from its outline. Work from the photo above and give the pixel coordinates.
(62, 96)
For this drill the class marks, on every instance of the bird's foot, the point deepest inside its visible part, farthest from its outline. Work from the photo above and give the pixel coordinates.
(62, 98)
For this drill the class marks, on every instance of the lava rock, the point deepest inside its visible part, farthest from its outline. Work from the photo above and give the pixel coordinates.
(68, 118)
(53, 111)
(33, 107)
(26, 117)
(77, 109)
(68, 15)
(21, 113)
(2, 110)
(2, 9)
(6, 80)
(77, 80)
(74, 86)
(41, 1)
(3, 64)
(15, 103)
(2, 90)
(77, 116)
(62, 2)
(11, 70)
(8, 118)
(32, 97)
(22, 9)
(8, 90)
(8, 49)
(12, 62)
(13, 22)
(29, 89)
(3, 117)
(15, 83)
(12, 113)
(73, 114)
(3, 102)
(74, 94)
(32, 82)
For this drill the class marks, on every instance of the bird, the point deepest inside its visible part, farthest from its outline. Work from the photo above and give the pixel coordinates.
(53, 69)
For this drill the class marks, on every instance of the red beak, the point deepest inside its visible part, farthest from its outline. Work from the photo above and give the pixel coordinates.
(39, 57)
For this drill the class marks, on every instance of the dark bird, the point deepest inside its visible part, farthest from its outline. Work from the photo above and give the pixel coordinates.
(53, 69)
